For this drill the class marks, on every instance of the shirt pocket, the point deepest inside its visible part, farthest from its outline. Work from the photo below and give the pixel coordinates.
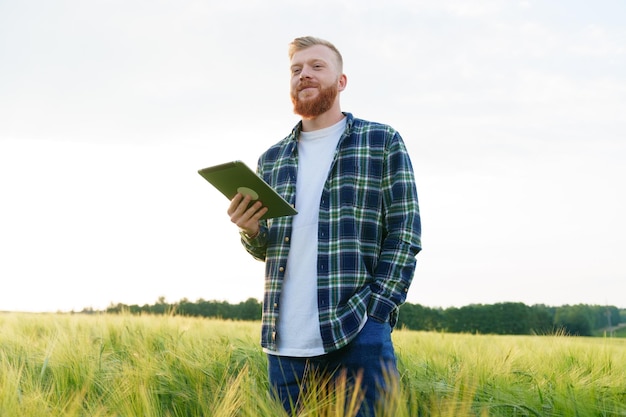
(361, 186)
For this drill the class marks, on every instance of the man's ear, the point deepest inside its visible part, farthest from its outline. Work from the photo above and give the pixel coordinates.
(342, 82)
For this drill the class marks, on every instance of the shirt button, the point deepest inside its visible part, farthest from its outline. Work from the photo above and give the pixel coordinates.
(287, 239)
(281, 269)
(275, 305)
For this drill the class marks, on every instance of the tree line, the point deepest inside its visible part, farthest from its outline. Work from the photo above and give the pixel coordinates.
(512, 318)
(502, 318)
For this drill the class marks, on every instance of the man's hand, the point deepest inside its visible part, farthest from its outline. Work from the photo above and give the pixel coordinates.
(246, 218)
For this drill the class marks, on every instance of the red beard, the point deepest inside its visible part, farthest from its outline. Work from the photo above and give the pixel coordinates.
(310, 108)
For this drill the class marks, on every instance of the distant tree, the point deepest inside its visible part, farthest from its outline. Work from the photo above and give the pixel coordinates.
(479, 318)
(510, 318)
(500, 318)
(605, 316)
(418, 317)
(473, 318)
(454, 322)
(160, 307)
(187, 308)
(576, 320)
(251, 309)
(541, 319)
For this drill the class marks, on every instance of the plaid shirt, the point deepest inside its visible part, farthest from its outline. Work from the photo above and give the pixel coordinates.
(369, 231)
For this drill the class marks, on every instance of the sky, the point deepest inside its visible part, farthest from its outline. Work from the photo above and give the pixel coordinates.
(513, 112)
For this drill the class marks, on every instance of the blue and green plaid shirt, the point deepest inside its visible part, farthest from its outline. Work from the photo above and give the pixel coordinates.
(369, 231)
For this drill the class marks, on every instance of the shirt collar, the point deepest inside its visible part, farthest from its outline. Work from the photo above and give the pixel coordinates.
(295, 133)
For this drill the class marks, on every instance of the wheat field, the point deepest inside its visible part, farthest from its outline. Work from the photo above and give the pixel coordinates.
(172, 366)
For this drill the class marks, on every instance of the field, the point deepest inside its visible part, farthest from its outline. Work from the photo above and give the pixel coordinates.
(158, 366)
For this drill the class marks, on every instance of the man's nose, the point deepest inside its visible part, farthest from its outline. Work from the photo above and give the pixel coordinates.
(305, 73)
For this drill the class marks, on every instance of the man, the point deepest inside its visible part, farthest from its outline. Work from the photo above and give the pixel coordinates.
(337, 271)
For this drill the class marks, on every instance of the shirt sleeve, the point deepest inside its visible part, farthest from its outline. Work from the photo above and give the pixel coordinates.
(396, 266)
(257, 245)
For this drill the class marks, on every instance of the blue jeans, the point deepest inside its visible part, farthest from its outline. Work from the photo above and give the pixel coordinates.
(370, 353)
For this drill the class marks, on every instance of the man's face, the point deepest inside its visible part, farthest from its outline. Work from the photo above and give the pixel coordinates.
(314, 81)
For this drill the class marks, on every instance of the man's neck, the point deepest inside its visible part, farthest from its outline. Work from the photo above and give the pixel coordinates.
(324, 120)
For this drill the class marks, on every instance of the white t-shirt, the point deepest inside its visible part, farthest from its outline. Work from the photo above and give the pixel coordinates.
(298, 321)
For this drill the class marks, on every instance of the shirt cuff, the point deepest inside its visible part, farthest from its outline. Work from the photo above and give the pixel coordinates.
(380, 308)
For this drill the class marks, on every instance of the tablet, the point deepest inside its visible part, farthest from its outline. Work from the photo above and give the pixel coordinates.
(233, 177)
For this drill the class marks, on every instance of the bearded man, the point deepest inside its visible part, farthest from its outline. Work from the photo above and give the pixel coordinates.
(337, 272)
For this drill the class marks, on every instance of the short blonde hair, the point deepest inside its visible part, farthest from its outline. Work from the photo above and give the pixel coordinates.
(304, 42)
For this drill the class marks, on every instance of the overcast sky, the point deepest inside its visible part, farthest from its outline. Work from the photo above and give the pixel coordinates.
(514, 113)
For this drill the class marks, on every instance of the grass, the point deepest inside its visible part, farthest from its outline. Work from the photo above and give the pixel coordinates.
(109, 365)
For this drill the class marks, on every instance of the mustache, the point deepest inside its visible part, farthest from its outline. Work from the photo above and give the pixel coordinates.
(306, 84)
